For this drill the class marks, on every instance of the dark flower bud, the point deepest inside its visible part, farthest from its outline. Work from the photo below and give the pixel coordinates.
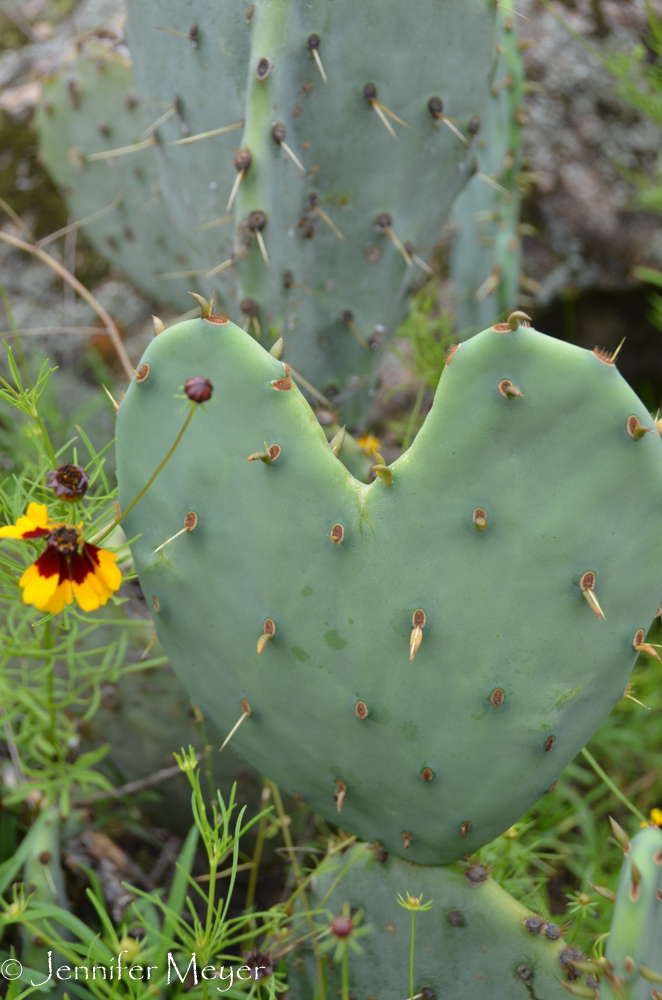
(342, 927)
(69, 481)
(260, 964)
(198, 389)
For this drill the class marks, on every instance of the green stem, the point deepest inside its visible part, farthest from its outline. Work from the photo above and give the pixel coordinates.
(207, 751)
(213, 865)
(257, 855)
(151, 479)
(411, 958)
(47, 441)
(345, 974)
(578, 927)
(48, 645)
(287, 837)
(611, 786)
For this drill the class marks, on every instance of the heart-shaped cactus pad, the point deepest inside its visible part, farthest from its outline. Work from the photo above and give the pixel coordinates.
(515, 553)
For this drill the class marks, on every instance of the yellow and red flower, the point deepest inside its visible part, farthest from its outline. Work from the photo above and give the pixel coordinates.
(69, 567)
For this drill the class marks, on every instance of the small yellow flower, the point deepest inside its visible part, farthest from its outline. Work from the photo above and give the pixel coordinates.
(129, 945)
(414, 903)
(656, 816)
(369, 443)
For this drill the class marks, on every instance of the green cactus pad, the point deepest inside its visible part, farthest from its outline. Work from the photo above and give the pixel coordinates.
(472, 943)
(635, 936)
(355, 171)
(91, 107)
(486, 255)
(514, 672)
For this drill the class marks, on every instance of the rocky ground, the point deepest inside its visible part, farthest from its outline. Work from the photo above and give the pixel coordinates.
(581, 140)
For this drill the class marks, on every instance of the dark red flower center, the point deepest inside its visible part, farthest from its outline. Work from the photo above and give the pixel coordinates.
(65, 540)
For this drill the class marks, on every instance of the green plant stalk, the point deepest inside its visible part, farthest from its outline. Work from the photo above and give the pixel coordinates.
(411, 957)
(611, 786)
(345, 975)
(207, 751)
(48, 647)
(287, 837)
(257, 856)
(165, 461)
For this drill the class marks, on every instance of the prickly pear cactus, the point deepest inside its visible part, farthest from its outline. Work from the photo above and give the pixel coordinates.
(333, 121)
(87, 109)
(486, 255)
(44, 881)
(436, 647)
(472, 942)
(632, 969)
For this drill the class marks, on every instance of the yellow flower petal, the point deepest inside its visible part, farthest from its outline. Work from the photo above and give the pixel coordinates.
(61, 597)
(87, 594)
(101, 587)
(38, 514)
(38, 589)
(36, 518)
(108, 570)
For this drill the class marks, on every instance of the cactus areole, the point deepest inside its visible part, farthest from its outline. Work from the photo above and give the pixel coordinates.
(523, 631)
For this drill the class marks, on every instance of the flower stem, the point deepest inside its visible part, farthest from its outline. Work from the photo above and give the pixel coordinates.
(150, 480)
(611, 786)
(48, 645)
(411, 957)
(257, 854)
(287, 837)
(345, 975)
